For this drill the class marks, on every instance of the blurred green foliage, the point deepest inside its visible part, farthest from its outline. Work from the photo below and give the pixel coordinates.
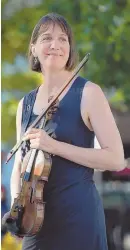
(100, 27)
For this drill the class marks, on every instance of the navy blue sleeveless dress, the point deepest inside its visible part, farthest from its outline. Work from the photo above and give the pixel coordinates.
(74, 215)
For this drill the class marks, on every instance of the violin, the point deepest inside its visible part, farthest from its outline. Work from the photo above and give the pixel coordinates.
(26, 216)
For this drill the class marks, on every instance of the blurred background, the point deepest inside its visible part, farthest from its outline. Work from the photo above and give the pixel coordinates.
(101, 27)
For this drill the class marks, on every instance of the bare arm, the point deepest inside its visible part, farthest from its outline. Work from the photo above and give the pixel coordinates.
(111, 155)
(15, 176)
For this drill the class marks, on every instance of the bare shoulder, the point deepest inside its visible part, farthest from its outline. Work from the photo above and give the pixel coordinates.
(19, 111)
(92, 89)
(91, 93)
(20, 104)
(17, 161)
(19, 118)
(96, 104)
(93, 96)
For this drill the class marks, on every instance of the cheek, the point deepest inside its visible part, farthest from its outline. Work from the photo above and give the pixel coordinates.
(42, 50)
(67, 51)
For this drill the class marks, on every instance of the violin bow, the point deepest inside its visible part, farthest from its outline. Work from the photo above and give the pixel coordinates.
(77, 69)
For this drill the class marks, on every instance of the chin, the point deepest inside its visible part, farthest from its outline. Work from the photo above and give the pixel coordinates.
(55, 66)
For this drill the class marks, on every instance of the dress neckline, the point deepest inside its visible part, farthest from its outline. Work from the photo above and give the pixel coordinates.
(66, 94)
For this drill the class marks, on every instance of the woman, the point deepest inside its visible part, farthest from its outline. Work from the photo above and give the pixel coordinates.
(74, 217)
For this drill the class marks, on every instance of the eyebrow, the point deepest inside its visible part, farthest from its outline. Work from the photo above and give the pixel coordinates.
(45, 34)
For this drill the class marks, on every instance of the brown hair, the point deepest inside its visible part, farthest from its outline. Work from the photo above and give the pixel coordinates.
(42, 26)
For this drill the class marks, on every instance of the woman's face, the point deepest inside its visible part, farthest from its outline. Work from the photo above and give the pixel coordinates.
(52, 48)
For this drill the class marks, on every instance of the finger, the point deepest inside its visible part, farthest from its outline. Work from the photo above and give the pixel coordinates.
(32, 130)
(34, 143)
(31, 136)
(27, 132)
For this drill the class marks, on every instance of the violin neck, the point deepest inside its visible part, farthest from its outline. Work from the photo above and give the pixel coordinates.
(43, 122)
(30, 165)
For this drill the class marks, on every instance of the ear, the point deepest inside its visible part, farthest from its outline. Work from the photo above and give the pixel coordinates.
(33, 49)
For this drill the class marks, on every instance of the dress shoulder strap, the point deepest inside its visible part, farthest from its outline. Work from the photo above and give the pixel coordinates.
(27, 108)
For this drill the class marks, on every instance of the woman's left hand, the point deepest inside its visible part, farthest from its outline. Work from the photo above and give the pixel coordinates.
(39, 139)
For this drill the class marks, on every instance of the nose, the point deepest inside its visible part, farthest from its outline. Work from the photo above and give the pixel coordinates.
(55, 44)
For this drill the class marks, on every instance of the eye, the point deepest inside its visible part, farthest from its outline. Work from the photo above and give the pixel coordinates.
(63, 39)
(46, 38)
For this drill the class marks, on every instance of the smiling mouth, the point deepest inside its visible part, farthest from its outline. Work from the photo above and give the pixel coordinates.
(53, 55)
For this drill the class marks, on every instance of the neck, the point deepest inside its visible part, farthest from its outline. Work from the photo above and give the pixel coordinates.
(54, 81)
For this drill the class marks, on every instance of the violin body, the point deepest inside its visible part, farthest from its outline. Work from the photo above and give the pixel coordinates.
(29, 207)
(27, 215)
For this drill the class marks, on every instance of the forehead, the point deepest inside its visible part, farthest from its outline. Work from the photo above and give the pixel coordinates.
(50, 27)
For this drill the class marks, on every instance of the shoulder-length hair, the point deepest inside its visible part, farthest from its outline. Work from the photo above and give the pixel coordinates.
(42, 26)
